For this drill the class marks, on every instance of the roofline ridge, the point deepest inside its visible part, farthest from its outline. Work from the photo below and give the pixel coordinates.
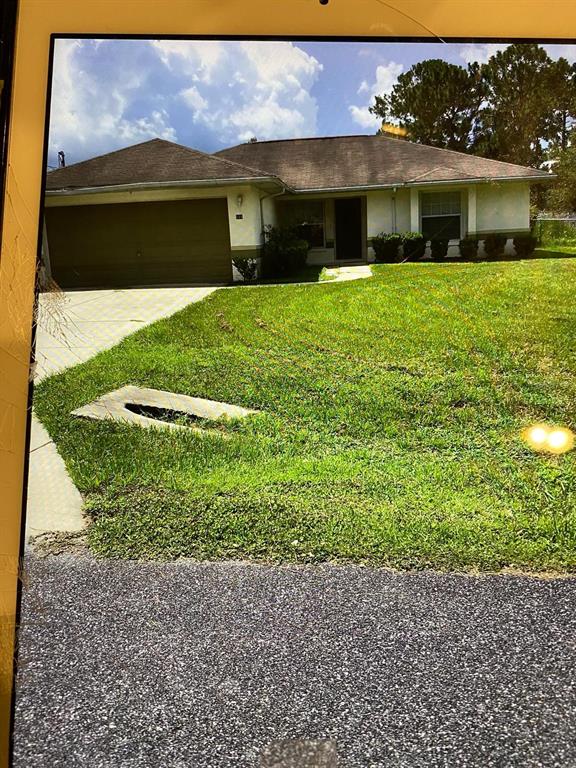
(220, 159)
(307, 138)
(468, 154)
(381, 136)
(114, 152)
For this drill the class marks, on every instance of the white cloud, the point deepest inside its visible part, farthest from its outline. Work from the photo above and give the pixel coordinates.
(386, 77)
(480, 52)
(194, 100)
(196, 58)
(364, 118)
(89, 111)
(245, 89)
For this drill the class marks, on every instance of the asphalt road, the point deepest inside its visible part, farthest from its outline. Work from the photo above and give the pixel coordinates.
(213, 665)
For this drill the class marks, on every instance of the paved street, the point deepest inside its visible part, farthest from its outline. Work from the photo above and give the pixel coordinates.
(209, 665)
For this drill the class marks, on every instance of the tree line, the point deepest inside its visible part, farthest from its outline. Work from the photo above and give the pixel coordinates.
(518, 107)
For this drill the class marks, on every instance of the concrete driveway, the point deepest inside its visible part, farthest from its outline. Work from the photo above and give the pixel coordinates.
(72, 328)
(76, 325)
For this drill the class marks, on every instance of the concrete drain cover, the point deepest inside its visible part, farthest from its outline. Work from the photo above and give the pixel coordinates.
(155, 408)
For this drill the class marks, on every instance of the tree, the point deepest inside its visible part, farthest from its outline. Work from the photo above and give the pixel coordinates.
(563, 112)
(561, 197)
(515, 119)
(436, 102)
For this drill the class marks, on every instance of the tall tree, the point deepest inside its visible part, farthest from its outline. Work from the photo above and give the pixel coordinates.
(561, 196)
(436, 102)
(515, 119)
(562, 79)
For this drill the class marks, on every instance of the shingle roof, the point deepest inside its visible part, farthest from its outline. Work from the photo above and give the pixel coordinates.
(151, 161)
(331, 162)
(363, 161)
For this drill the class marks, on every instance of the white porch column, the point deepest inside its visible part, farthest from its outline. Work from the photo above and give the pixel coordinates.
(414, 210)
(472, 210)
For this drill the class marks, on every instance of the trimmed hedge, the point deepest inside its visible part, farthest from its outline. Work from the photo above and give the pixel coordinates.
(494, 245)
(524, 245)
(469, 247)
(414, 245)
(386, 247)
(284, 252)
(438, 249)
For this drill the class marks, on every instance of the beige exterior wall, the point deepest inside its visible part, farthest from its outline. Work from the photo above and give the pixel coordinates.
(503, 207)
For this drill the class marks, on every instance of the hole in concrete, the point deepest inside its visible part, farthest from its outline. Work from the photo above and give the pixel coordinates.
(143, 406)
(169, 415)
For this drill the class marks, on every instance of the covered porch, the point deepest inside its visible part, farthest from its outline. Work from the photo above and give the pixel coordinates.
(339, 227)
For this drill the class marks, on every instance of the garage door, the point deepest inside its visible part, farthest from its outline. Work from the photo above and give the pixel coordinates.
(165, 243)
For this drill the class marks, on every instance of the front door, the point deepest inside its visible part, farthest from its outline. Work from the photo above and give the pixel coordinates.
(348, 240)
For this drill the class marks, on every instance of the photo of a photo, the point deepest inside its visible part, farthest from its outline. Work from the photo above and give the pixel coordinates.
(307, 307)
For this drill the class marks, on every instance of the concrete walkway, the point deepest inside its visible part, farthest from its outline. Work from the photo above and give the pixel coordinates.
(73, 327)
(343, 274)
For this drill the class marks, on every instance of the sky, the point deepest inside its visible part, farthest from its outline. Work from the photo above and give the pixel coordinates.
(108, 94)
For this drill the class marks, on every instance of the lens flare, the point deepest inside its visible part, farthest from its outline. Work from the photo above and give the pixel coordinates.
(560, 440)
(546, 438)
(538, 435)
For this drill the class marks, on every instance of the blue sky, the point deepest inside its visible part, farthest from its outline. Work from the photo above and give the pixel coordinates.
(108, 94)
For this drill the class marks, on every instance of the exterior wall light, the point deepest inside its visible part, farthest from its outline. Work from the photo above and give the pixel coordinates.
(239, 200)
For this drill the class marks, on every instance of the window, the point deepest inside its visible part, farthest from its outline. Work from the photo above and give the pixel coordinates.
(307, 216)
(441, 215)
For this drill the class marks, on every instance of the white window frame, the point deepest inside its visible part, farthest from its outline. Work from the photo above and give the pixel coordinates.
(443, 215)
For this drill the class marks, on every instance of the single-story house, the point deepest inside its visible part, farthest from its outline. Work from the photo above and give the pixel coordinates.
(162, 213)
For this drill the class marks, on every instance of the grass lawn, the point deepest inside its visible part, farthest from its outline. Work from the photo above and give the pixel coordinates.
(388, 432)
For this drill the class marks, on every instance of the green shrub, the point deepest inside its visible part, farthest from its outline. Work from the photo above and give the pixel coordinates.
(555, 232)
(284, 252)
(438, 249)
(414, 245)
(494, 245)
(246, 267)
(524, 245)
(469, 247)
(387, 247)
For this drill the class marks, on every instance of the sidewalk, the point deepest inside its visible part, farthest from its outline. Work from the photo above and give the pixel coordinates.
(73, 327)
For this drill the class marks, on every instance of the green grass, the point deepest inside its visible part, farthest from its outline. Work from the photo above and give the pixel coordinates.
(388, 432)
(553, 233)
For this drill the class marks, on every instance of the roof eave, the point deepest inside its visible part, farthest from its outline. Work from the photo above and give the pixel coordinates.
(134, 187)
(405, 184)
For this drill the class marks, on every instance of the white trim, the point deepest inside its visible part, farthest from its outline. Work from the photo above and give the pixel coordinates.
(277, 180)
(162, 185)
(410, 184)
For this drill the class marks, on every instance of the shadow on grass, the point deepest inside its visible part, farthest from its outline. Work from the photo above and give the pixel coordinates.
(306, 275)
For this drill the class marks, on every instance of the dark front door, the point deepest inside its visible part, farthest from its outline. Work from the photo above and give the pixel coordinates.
(348, 215)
